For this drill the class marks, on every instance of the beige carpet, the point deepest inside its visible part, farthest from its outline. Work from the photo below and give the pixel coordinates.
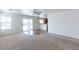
(46, 41)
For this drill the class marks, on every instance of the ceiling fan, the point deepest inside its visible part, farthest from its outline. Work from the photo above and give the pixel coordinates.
(37, 12)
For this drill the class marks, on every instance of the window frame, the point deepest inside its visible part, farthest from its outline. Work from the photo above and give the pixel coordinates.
(5, 25)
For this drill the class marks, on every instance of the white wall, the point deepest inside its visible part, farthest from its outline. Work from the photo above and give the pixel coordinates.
(64, 23)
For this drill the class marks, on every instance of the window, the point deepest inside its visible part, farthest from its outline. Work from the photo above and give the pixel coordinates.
(27, 24)
(41, 21)
(5, 23)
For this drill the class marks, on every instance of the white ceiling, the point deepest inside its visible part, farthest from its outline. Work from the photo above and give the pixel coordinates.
(57, 10)
(43, 14)
(30, 12)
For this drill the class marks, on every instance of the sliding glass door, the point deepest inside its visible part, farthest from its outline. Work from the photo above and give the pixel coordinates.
(27, 24)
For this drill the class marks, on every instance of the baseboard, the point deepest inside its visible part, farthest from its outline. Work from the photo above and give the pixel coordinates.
(64, 36)
(73, 39)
